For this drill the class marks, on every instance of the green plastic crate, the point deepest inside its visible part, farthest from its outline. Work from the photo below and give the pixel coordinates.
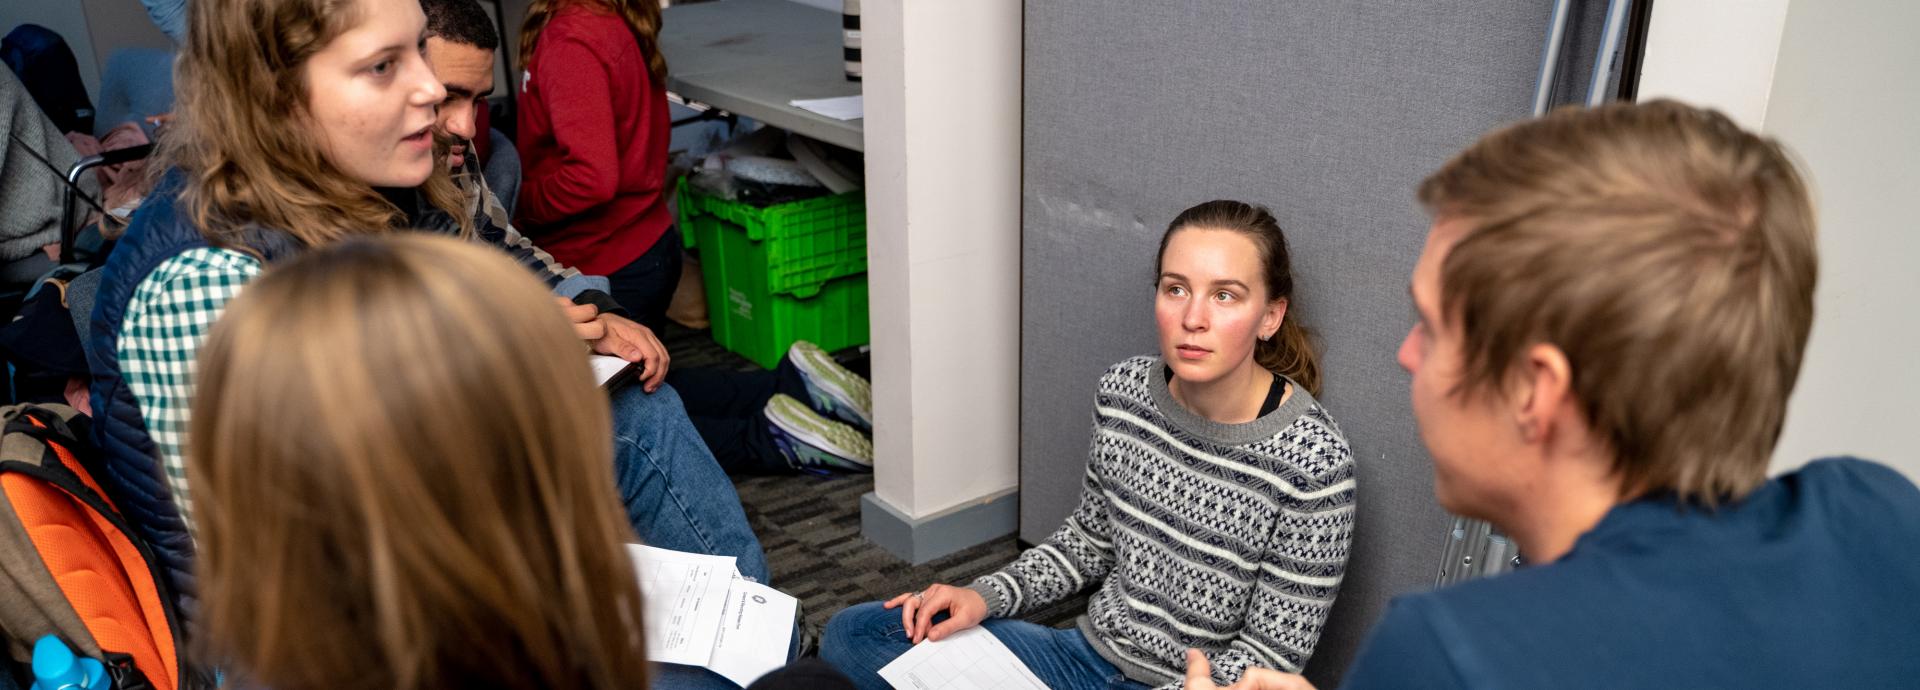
(788, 272)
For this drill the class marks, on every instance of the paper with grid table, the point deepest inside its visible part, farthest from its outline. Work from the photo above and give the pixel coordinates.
(972, 659)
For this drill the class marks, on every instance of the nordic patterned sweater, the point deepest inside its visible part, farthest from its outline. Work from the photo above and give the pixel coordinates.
(1228, 538)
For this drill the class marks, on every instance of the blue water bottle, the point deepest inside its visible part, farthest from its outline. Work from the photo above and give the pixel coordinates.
(55, 667)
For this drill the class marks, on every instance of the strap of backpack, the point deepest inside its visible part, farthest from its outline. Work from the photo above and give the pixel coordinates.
(69, 458)
(63, 464)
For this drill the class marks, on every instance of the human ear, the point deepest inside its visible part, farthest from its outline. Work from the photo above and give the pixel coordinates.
(1545, 385)
(1275, 315)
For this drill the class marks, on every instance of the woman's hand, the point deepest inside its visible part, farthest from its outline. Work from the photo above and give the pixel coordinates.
(1200, 677)
(965, 608)
(617, 336)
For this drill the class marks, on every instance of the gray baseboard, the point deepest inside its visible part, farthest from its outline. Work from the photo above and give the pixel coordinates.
(918, 541)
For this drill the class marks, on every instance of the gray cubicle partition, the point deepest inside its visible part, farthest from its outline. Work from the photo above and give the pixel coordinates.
(1327, 111)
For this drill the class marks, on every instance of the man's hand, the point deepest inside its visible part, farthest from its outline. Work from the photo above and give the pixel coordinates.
(617, 336)
(585, 319)
(1200, 677)
(965, 609)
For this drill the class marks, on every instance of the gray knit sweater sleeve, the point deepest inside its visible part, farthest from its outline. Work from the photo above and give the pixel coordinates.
(30, 191)
(1076, 556)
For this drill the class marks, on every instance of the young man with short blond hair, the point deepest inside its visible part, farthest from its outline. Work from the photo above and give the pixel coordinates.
(1613, 307)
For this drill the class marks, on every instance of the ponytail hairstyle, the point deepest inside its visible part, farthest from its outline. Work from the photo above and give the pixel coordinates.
(1290, 352)
(642, 17)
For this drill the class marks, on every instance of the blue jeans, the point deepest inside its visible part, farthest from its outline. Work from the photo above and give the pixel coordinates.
(676, 495)
(863, 638)
(678, 498)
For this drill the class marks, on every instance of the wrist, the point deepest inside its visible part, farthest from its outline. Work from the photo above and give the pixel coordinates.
(989, 595)
(600, 301)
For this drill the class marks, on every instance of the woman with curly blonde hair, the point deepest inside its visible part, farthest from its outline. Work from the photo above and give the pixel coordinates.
(303, 123)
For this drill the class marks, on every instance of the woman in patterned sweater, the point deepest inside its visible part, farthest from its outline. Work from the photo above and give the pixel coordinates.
(1218, 504)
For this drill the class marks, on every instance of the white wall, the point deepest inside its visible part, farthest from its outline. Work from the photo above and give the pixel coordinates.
(1718, 53)
(943, 234)
(66, 17)
(1846, 100)
(117, 24)
(1834, 81)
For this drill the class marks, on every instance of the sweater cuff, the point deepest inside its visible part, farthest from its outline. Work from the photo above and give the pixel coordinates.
(601, 301)
(996, 605)
(576, 284)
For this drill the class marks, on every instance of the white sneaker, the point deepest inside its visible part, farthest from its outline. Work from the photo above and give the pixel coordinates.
(810, 441)
(833, 389)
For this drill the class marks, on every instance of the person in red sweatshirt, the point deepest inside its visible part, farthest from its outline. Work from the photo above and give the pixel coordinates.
(593, 133)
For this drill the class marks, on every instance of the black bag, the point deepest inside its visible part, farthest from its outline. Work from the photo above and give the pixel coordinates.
(46, 67)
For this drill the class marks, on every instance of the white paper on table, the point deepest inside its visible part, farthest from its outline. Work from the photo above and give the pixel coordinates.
(842, 108)
(972, 659)
(684, 596)
(755, 632)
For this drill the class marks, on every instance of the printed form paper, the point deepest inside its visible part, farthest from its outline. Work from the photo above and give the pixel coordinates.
(700, 612)
(755, 632)
(972, 659)
(684, 595)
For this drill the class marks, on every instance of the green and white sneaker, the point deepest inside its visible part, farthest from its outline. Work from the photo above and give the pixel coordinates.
(811, 441)
(833, 389)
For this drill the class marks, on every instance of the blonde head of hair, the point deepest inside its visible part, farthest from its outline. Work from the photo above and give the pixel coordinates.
(403, 479)
(1667, 252)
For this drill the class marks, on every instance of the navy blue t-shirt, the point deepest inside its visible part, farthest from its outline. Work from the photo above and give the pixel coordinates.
(1813, 581)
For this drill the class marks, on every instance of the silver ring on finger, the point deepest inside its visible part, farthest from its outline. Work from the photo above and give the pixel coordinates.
(919, 596)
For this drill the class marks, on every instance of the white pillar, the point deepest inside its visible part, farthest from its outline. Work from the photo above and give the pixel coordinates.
(942, 87)
(1714, 53)
(1843, 101)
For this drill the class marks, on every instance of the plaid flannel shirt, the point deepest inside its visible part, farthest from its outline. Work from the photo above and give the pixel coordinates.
(168, 318)
(175, 306)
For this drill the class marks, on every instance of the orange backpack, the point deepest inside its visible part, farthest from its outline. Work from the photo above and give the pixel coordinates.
(68, 564)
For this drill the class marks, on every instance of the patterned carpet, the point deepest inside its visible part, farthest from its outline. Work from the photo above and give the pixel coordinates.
(810, 526)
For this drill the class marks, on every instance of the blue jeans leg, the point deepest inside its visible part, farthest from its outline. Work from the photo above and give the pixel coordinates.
(678, 677)
(860, 639)
(676, 495)
(863, 638)
(1063, 659)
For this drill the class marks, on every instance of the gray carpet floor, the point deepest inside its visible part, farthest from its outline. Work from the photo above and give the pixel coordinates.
(810, 528)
